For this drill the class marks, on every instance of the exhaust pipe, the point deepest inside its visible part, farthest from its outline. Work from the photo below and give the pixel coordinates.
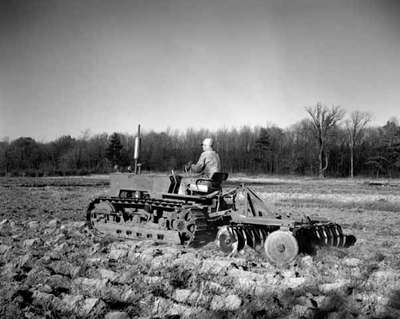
(137, 152)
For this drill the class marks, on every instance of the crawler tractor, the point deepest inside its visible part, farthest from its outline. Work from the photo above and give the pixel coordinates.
(195, 211)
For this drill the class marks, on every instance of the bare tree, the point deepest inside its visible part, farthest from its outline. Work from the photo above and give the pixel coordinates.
(355, 127)
(323, 119)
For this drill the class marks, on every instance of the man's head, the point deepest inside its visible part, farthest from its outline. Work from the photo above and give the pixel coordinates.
(207, 143)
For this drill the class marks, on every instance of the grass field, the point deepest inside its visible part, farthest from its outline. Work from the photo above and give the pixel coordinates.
(360, 282)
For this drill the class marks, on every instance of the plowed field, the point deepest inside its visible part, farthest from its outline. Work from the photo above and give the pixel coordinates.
(53, 266)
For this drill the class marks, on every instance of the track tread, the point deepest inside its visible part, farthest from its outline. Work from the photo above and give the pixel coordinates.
(173, 210)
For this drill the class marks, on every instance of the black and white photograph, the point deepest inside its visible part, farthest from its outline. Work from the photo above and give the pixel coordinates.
(218, 159)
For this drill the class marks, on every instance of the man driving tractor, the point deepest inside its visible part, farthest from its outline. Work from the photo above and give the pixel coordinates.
(209, 161)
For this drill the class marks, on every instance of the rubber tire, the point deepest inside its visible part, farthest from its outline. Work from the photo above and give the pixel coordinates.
(281, 247)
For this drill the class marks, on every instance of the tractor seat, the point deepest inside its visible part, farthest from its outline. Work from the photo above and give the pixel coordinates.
(208, 185)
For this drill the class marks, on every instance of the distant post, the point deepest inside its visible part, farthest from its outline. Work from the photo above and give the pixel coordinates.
(137, 150)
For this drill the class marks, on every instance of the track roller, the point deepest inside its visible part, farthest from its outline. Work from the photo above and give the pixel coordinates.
(281, 247)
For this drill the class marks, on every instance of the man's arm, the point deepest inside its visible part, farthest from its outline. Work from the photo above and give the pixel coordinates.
(199, 166)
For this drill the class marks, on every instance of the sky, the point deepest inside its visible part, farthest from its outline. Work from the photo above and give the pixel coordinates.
(69, 67)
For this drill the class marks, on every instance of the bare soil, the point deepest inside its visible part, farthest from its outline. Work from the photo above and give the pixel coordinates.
(53, 266)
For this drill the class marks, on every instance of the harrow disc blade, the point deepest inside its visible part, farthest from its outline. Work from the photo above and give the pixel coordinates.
(335, 234)
(241, 237)
(341, 237)
(258, 240)
(249, 238)
(281, 247)
(350, 241)
(227, 240)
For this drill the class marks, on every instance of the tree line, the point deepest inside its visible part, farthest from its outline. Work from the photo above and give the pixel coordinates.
(325, 143)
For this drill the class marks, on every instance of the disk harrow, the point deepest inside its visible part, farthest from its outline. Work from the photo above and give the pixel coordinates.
(154, 219)
(282, 244)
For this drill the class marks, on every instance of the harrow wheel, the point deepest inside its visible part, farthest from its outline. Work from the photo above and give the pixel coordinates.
(281, 247)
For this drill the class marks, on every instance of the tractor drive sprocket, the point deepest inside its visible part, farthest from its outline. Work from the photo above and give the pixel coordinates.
(196, 228)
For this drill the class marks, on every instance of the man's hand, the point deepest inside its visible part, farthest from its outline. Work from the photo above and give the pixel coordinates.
(188, 166)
